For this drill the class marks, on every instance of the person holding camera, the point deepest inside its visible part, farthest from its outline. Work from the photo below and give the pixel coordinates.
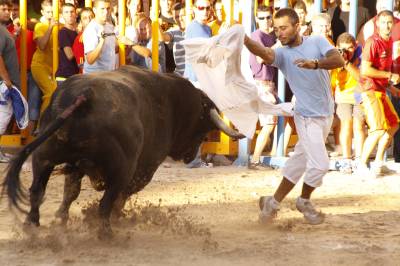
(344, 82)
(99, 40)
(376, 78)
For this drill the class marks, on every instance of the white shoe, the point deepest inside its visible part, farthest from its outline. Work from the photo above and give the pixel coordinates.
(311, 215)
(269, 209)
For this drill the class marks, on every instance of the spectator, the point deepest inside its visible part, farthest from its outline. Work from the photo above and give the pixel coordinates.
(344, 82)
(219, 20)
(376, 76)
(173, 37)
(301, 10)
(141, 44)
(99, 40)
(9, 70)
(321, 25)
(198, 28)
(340, 18)
(42, 61)
(265, 77)
(34, 93)
(67, 65)
(370, 26)
(85, 17)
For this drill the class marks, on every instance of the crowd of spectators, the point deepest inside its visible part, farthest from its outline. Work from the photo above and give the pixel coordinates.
(88, 41)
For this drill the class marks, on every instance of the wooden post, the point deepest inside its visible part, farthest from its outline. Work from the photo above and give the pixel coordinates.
(88, 3)
(154, 33)
(56, 16)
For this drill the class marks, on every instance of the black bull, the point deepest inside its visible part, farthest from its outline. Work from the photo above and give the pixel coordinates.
(117, 128)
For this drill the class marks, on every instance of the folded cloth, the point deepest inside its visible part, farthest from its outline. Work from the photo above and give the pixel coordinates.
(12, 102)
(217, 64)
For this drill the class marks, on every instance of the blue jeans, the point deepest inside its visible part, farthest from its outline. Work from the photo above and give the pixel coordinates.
(34, 98)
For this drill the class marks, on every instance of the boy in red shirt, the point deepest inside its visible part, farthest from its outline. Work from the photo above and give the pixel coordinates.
(376, 77)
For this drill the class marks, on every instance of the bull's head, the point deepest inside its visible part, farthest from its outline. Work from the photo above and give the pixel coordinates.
(208, 120)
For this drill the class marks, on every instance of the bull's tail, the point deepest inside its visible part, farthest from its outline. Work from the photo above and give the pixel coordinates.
(12, 183)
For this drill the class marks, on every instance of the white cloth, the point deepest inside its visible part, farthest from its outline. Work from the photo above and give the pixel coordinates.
(310, 156)
(217, 64)
(7, 109)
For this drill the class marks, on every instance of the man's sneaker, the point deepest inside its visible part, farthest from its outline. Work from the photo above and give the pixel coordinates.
(269, 208)
(4, 158)
(345, 166)
(310, 213)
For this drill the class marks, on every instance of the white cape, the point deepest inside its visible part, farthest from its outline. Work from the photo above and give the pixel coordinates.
(217, 64)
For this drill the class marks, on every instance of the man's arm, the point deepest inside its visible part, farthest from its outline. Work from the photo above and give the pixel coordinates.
(265, 53)
(68, 52)
(42, 41)
(4, 73)
(368, 70)
(92, 56)
(333, 59)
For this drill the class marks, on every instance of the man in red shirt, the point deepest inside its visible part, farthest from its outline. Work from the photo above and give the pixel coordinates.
(376, 77)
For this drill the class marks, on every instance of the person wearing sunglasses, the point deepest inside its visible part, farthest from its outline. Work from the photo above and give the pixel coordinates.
(198, 28)
(304, 61)
(265, 78)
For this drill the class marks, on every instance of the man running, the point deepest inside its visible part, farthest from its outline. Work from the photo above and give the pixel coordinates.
(305, 61)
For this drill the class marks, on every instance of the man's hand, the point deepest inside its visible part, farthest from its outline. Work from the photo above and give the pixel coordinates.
(394, 78)
(395, 92)
(52, 22)
(304, 63)
(8, 83)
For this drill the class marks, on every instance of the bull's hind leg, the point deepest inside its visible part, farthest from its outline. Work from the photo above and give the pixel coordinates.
(72, 188)
(41, 173)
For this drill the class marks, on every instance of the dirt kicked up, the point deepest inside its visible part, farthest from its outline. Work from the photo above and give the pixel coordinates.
(210, 217)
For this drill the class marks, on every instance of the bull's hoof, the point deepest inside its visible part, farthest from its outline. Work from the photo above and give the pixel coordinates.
(29, 222)
(61, 217)
(105, 232)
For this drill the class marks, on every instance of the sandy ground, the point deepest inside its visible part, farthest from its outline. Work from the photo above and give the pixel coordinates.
(210, 217)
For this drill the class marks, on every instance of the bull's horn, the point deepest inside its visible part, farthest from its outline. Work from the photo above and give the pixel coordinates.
(216, 118)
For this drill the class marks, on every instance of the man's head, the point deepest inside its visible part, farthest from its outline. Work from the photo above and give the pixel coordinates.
(180, 15)
(86, 16)
(264, 18)
(220, 11)
(321, 24)
(68, 13)
(15, 10)
(5, 11)
(301, 10)
(286, 25)
(202, 9)
(347, 45)
(143, 27)
(102, 11)
(47, 9)
(384, 23)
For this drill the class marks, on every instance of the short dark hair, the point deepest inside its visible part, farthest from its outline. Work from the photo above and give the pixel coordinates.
(5, 3)
(300, 5)
(287, 12)
(345, 37)
(385, 13)
(264, 8)
(86, 9)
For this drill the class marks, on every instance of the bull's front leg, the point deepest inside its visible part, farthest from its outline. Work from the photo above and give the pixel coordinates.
(72, 188)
